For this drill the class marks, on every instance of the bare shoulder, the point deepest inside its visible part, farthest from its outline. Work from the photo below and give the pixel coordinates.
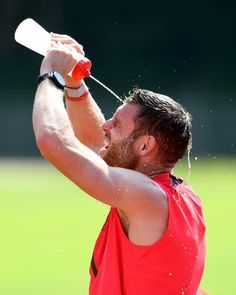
(144, 217)
(148, 223)
(139, 194)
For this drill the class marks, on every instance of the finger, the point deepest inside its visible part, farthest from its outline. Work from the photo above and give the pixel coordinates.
(63, 38)
(70, 48)
(59, 46)
(67, 40)
(79, 49)
(53, 44)
(55, 35)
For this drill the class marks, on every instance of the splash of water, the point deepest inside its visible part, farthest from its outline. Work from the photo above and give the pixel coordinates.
(107, 88)
(189, 162)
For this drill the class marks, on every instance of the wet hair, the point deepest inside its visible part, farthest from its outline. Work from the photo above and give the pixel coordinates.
(165, 119)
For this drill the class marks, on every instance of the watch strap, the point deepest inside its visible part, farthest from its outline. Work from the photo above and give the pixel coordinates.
(51, 76)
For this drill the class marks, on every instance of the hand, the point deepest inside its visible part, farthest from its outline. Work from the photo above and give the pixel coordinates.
(67, 40)
(60, 58)
(71, 43)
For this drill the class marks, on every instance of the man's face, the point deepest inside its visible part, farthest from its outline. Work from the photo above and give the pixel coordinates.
(119, 142)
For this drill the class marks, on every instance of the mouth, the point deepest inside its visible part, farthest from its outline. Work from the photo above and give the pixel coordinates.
(105, 147)
(107, 141)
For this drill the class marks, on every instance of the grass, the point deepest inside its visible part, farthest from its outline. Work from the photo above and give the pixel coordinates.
(48, 227)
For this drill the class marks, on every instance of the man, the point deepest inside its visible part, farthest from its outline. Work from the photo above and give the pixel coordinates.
(153, 239)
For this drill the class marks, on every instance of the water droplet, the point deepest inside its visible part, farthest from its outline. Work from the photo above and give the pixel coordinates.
(188, 161)
(170, 274)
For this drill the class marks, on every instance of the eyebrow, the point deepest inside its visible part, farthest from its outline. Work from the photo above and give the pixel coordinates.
(116, 119)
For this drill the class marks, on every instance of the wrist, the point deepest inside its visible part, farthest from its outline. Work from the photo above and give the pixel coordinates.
(78, 93)
(72, 83)
(55, 77)
(46, 67)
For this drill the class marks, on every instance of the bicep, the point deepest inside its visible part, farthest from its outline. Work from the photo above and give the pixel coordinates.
(125, 189)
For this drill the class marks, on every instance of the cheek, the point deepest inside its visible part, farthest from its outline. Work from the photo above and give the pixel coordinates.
(117, 135)
(136, 148)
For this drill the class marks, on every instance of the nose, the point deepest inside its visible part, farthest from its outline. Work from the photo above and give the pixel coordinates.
(107, 125)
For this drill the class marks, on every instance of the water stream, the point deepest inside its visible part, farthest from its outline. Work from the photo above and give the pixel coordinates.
(107, 88)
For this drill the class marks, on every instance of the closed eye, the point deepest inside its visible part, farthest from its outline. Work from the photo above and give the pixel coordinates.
(116, 122)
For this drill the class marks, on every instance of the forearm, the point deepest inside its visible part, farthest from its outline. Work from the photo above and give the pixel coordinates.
(49, 117)
(87, 119)
(57, 143)
(85, 116)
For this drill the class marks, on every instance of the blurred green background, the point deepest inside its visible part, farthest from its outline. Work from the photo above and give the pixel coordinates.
(48, 227)
(185, 49)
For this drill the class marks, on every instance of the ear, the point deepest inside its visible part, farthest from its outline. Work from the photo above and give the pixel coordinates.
(146, 144)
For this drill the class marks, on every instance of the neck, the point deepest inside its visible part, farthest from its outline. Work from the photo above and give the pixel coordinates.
(152, 170)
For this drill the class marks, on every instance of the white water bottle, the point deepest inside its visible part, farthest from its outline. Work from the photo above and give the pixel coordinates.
(33, 36)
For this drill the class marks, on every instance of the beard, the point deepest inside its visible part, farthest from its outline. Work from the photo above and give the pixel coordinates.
(121, 154)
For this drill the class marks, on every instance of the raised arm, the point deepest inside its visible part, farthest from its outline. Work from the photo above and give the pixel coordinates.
(140, 200)
(87, 119)
(85, 115)
(128, 190)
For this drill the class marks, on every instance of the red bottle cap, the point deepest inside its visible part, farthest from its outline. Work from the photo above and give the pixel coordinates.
(82, 69)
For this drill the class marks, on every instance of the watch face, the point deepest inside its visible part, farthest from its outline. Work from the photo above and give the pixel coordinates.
(59, 78)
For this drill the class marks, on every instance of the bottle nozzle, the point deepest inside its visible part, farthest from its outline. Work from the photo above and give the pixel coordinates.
(82, 69)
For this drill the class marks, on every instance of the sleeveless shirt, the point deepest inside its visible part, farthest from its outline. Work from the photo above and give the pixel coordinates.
(171, 266)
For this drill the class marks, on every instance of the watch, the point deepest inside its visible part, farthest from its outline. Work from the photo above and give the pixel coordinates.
(55, 77)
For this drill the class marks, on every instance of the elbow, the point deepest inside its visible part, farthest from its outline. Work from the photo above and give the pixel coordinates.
(52, 143)
(42, 141)
(46, 143)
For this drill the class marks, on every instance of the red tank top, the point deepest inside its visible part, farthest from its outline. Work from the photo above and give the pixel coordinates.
(171, 266)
